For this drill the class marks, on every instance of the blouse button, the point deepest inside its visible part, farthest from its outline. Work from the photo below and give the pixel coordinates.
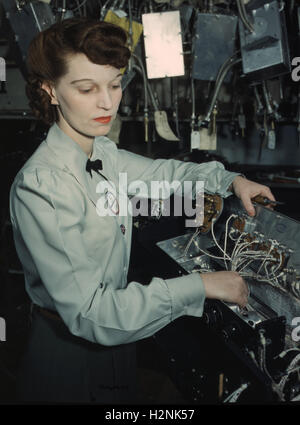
(101, 285)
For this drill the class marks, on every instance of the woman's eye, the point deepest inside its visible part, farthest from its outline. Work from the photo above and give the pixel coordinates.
(116, 86)
(85, 90)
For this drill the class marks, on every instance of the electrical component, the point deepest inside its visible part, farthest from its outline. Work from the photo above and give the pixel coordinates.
(265, 50)
(213, 44)
(27, 20)
(213, 207)
(265, 251)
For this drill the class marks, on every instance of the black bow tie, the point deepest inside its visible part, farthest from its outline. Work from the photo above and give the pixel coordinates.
(93, 165)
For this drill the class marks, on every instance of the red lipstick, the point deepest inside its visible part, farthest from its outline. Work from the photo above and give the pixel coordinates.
(103, 120)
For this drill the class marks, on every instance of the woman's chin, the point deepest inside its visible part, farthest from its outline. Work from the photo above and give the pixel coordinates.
(102, 131)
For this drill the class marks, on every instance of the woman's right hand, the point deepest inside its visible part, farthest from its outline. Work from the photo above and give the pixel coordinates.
(226, 286)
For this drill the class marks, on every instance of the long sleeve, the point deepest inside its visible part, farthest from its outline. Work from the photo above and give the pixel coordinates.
(213, 174)
(73, 262)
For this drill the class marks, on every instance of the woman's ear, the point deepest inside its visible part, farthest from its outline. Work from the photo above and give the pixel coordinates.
(51, 91)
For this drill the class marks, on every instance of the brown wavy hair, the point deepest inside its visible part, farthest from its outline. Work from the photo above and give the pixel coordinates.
(103, 43)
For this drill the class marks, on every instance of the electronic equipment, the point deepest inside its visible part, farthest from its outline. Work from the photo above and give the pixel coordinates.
(265, 50)
(26, 20)
(262, 337)
(213, 43)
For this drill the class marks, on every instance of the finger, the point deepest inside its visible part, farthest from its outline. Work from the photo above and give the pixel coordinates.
(243, 303)
(243, 300)
(249, 207)
(265, 191)
(244, 294)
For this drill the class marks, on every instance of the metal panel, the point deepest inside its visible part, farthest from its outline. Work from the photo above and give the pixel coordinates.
(285, 230)
(26, 22)
(270, 224)
(163, 44)
(13, 101)
(213, 44)
(265, 51)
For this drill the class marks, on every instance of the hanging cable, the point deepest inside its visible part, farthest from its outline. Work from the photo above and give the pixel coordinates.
(146, 113)
(230, 63)
(130, 33)
(243, 15)
(104, 9)
(233, 397)
(79, 6)
(193, 117)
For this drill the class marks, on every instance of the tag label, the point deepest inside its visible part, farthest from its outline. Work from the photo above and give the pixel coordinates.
(162, 126)
(208, 141)
(195, 139)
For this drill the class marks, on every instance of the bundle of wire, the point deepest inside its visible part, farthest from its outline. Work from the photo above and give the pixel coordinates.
(243, 255)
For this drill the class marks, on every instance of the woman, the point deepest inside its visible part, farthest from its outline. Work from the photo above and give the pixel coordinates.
(86, 316)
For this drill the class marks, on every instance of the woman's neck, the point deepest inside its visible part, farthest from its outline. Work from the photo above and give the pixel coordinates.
(85, 142)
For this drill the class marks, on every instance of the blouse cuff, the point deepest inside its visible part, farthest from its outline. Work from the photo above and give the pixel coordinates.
(224, 188)
(187, 295)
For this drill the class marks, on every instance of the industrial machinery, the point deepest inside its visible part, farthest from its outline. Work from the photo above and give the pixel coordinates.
(194, 63)
(262, 338)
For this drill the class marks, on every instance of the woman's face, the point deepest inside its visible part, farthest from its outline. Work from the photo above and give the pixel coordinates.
(88, 98)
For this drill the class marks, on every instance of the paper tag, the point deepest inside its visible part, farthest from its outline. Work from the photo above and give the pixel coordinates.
(195, 140)
(207, 141)
(271, 139)
(162, 126)
(120, 13)
(163, 44)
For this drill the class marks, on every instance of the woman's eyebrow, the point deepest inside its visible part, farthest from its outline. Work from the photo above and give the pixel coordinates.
(83, 79)
(119, 75)
(90, 79)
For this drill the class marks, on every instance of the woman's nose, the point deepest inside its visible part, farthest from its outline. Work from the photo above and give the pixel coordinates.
(104, 100)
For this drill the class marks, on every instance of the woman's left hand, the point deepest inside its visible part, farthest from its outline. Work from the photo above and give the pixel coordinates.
(246, 190)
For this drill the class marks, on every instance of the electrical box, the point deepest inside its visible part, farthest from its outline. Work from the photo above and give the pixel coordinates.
(26, 21)
(265, 51)
(213, 44)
